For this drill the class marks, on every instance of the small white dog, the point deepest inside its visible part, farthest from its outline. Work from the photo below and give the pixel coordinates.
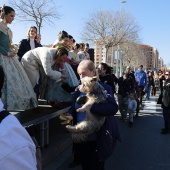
(95, 94)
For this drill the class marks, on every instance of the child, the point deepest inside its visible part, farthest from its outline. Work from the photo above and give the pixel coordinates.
(132, 105)
(72, 80)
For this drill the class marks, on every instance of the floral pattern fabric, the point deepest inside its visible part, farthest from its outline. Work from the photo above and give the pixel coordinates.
(17, 91)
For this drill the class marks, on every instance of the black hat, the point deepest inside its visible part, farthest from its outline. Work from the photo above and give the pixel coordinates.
(1, 79)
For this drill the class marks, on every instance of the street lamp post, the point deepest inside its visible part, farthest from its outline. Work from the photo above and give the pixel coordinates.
(119, 52)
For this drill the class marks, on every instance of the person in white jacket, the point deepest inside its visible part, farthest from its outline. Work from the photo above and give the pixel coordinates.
(17, 150)
(43, 57)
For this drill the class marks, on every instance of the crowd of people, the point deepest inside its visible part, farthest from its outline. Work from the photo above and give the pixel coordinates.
(54, 74)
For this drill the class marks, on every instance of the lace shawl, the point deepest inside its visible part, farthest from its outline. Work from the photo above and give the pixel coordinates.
(6, 30)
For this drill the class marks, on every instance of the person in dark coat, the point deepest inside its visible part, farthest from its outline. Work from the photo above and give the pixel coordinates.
(29, 43)
(166, 104)
(150, 84)
(99, 145)
(106, 77)
(161, 79)
(126, 86)
(128, 71)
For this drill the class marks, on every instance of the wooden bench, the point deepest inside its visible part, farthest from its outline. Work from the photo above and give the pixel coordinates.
(40, 116)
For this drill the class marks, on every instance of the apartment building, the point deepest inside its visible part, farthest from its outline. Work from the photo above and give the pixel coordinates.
(160, 63)
(150, 58)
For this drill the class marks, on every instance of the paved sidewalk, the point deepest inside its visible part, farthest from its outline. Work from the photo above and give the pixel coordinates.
(142, 147)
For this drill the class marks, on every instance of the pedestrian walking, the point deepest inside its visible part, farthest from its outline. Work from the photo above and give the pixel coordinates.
(166, 104)
(128, 71)
(161, 79)
(132, 106)
(150, 84)
(141, 78)
(105, 76)
(156, 83)
(126, 86)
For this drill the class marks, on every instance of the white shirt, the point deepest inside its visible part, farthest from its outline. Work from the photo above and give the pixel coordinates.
(17, 150)
(32, 43)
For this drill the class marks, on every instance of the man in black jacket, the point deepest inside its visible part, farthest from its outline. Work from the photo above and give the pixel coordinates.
(126, 86)
(166, 104)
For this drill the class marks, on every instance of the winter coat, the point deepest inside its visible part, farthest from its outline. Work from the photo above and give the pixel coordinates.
(108, 133)
(39, 57)
(166, 95)
(24, 46)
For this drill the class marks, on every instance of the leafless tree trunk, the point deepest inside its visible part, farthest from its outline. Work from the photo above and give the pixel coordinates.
(37, 11)
(110, 28)
(133, 54)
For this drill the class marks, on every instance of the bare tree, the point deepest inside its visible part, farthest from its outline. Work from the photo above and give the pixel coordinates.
(37, 11)
(133, 54)
(110, 28)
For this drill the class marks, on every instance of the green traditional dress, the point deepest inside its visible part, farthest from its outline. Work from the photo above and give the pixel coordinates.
(17, 92)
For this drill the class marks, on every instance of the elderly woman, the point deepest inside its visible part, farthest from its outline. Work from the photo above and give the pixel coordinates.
(99, 145)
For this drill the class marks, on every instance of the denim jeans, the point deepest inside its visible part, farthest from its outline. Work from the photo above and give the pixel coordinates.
(131, 114)
(148, 92)
(166, 116)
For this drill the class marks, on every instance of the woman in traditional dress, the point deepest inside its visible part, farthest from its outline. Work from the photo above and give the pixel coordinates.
(42, 59)
(17, 92)
(66, 65)
(81, 53)
(57, 93)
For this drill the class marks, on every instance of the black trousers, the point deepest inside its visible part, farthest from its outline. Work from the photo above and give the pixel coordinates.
(166, 116)
(77, 152)
(141, 93)
(89, 157)
(137, 108)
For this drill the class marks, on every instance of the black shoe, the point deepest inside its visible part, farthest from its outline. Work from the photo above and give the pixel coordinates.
(137, 114)
(165, 132)
(73, 164)
(130, 124)
(163, 129)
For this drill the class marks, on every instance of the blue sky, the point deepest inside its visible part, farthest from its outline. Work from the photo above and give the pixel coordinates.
(151, 15)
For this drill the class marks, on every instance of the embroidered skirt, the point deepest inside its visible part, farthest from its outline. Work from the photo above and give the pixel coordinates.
(17, 91)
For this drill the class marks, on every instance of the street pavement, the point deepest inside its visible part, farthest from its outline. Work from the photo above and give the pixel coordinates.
(143, 147)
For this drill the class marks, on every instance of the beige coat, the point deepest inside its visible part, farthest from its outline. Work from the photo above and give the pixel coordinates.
(36, 58)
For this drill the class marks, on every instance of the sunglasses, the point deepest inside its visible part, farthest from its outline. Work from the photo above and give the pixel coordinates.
(166, 74)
